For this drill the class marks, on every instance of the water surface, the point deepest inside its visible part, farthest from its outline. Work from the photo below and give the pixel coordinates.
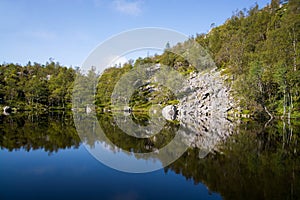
(42, 157)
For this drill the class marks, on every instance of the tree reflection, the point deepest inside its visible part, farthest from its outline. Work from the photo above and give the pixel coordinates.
(132, 144)
(49, 132)
(257, 163)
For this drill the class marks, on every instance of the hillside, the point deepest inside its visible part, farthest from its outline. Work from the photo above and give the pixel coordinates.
(258, 49)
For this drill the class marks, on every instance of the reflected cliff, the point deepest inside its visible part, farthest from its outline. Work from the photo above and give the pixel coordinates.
(249, 161)
(107, 131)
(257, 163)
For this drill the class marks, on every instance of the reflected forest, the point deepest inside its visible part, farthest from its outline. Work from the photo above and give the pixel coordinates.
(256, 161)
(228, 100)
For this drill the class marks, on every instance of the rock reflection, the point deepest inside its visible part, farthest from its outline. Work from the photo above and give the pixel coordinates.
(165, 146)
(257, 163)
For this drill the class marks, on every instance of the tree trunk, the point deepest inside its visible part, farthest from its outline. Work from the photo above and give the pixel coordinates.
(283, 133)
(290, 106)
(267, 111)
(294, 48)
(284, 104)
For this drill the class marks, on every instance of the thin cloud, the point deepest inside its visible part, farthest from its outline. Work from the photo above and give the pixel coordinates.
(128, 7)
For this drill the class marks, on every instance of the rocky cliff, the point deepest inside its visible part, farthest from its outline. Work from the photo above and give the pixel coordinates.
(207, 96)
(203, 111)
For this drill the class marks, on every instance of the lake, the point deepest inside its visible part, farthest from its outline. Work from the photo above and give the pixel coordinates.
(43, 157)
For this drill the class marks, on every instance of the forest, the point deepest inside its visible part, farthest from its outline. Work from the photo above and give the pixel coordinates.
(257, 48)
(36, 86)
(260, 50)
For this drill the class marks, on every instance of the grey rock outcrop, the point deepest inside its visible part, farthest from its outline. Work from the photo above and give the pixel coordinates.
(169, 112)
(206, 95)
(202, 111)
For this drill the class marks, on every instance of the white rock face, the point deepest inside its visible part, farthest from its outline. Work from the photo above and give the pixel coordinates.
(169, 112)
(202, 111)
(207, 95)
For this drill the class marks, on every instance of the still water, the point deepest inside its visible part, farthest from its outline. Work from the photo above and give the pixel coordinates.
(42, 157)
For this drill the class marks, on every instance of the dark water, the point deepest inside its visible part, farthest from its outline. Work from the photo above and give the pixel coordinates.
(42, 157)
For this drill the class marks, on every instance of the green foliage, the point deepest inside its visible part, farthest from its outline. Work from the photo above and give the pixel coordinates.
(260, 51)
(257, 163)
(36, 86)
(30, 132)
(133, 144)
(107, 83)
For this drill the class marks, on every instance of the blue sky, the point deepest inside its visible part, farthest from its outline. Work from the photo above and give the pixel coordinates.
(68, 30)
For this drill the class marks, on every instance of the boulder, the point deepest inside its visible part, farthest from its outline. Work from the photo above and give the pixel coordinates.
(127, 109)
(169, 112)
(7, 109)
